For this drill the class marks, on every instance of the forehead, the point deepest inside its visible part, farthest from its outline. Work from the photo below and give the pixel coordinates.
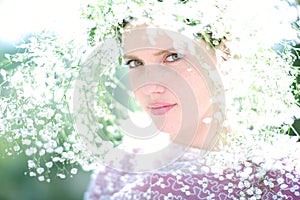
(149, 52)
(144, 38)
(154, 38)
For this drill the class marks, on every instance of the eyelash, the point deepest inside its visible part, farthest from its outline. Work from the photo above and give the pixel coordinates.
(129, 61)
(179, 56)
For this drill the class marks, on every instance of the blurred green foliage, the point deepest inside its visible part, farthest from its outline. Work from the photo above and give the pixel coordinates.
(17, 186)
(296, 124)
(14, 185)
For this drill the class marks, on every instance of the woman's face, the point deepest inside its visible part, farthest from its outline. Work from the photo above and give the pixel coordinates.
(164, 74)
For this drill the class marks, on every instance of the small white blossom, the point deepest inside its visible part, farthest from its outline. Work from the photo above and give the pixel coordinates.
(17, 148)
(55, 159)
(59, 150)
(62, 176)
(40, 170)
(41, 178)
(30, 151)
(32, 174)
(26, 141)
(42, 152)
(74, 171)
(31, 164)
(49, 164)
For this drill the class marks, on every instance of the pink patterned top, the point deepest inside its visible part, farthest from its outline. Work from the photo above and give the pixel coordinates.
(188, 178)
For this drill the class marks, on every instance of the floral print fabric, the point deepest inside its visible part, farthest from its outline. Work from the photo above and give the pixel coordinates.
(189, 178)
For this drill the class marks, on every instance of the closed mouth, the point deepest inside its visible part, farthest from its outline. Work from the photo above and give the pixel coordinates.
(160, 108)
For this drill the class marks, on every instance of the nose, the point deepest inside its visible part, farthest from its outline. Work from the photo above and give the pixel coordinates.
(153, 90)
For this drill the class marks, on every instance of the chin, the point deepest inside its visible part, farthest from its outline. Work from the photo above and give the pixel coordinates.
(171, 130)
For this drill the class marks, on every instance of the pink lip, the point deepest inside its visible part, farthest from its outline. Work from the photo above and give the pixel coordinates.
(160, 108)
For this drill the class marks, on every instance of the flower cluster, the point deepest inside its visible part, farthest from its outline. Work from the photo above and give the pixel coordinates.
(259, 81)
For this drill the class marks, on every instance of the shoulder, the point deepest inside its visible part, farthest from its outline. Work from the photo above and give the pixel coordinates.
(245, 181)
(265, 178)
(105, 182)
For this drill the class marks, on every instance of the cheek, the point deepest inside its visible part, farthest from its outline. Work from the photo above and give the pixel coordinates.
(140, 97)
(137, 92)
(199, 88)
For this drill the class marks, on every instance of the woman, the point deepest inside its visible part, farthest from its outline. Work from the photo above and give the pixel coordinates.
(176, 81)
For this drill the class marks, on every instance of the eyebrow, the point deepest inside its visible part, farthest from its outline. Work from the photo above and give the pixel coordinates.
(164, 51)
(155, 54)
(130, 57)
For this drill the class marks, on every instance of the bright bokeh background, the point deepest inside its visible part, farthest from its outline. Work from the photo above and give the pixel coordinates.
(20, 17)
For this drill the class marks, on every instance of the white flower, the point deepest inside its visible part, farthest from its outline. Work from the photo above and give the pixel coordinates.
(32, 174)
(42, 152)
(30, 151)
(59, 150)
(74, 171)
(56, 159)
(17, 148)
(62, 176)
(31, 164)
(49, 164)
(40, 170)
(41, 178)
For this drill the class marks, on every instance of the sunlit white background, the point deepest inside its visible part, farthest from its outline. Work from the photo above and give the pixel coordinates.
(21, 17)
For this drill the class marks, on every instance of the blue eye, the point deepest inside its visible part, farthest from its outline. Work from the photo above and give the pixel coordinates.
(134, 63)
(173, 57)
